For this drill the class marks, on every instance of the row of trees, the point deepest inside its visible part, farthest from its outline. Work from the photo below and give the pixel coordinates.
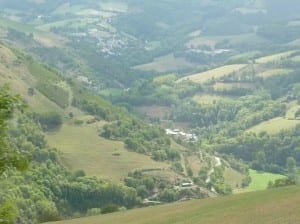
(274, 153)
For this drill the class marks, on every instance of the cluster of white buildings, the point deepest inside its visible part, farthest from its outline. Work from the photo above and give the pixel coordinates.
(180, 134)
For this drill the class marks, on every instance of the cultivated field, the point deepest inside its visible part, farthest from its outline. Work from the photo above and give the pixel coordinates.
(165, 64)
(214, 73)
(234, 85)
(274, 57)
(263, 207)
(274, 125)
(82, 148)
(273, 72)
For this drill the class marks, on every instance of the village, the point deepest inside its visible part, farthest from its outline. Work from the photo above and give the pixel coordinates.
(181, 134)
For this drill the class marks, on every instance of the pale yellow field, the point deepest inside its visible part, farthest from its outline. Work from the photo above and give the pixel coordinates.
(293, 107)
(229, 86)
(274, 57)
(165, 63)
(211, 99)
(273, 72)
(214, 73)
(275, 125)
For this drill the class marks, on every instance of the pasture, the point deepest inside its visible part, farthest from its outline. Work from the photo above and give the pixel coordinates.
(274, 125)
(274, 57)
(273, 72)
(233, 177)
(82, 148)
(259, 181)
(165, 63)
(214, 73)
(263, 207)
(233, 85)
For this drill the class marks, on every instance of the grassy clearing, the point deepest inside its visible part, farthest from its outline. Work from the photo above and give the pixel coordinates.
(165, 64)
(212, 99)
(214, 73)
(293, 107)
(274, 57)
(19, 77)
(274, 125)
(273, 72)
(260, 180)
(233, 177)
(164, 79)
(245, 56)
(230, 86)
(263, 207)
(111, 92)
(196, 164)
(82, 148)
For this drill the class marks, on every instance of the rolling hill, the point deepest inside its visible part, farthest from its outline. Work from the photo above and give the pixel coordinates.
(262, 207)
(225, 121)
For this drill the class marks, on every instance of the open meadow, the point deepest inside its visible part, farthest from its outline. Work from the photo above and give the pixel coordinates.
(165, 63)
(213, 74)
(259, 181)
(274, 125)
(82, 148)
(262, 207)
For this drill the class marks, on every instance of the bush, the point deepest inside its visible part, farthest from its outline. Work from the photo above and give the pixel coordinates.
(110, 209)
(50, 121)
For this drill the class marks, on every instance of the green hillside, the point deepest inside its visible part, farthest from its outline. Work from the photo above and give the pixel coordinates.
(262, 207)
(136, 103)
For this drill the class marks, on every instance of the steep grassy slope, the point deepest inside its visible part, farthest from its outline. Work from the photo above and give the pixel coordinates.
(271, 206)
(81, 147)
